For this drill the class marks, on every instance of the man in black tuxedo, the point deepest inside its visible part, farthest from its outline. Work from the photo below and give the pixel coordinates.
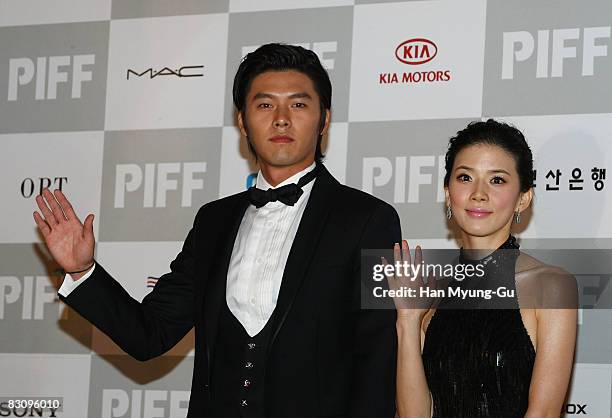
(269, 277)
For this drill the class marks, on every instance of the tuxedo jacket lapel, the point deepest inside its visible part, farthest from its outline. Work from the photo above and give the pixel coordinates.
(304, 245)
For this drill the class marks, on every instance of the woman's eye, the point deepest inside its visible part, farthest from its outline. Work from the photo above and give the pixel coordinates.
(498, 180)
(463, 177)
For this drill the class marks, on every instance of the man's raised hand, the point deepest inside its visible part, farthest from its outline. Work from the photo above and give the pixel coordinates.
(70, 242)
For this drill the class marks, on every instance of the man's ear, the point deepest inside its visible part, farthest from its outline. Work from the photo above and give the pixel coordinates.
(326, 122)
(241, 124)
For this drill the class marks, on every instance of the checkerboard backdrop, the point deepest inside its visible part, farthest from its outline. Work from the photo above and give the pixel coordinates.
(125, 105)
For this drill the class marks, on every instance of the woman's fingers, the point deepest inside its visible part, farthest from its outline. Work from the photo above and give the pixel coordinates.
(397, 254)
(418, 255)
(391, 280)
(405, 251)
(418, 258)
(401, 251)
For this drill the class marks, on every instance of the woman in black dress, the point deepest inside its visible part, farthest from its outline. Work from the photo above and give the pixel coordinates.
(499, 363)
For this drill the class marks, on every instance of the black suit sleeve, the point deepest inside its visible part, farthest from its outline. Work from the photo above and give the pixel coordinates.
(148, 329)
(374, 374)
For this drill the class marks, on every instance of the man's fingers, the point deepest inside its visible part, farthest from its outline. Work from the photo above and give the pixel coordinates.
(65, 205)
(42, 225)
(88, 226)
(55, 208)
(42, 205)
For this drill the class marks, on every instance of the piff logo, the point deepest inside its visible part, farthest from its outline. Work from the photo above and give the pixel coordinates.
(416, 51)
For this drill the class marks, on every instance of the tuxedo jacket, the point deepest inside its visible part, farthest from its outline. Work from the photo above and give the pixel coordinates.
(326, 357)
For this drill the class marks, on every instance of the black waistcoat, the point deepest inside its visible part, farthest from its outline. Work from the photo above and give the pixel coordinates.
(238, 372)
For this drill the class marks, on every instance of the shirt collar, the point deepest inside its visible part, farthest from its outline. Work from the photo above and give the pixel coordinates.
(263, 184)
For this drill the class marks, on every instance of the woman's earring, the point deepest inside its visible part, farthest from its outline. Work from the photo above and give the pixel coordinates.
(517, 217)
(449, 212)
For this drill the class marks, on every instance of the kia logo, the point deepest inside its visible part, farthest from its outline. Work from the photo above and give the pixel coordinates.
(416, 51)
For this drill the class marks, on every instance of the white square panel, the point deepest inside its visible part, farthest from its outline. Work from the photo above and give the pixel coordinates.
(64, 377)
(425, 61)
(70, 161)
(565, 143)
(590, 391)
(167, 72)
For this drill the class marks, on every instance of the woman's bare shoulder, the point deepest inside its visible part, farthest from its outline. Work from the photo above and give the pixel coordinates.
(528, 264)
(548, 286)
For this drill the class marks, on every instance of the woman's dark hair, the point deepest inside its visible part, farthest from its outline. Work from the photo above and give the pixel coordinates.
(500, 134)
(282, 57)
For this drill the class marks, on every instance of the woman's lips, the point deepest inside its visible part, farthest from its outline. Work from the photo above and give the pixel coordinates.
(478, 213)
(281, 139)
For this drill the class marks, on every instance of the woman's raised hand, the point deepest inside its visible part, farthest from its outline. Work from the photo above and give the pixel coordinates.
(414, 303)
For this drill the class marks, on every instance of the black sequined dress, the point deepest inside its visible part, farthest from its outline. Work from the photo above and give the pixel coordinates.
(478, 362)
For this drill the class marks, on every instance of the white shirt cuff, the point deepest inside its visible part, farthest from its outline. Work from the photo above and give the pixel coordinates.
(70, 284)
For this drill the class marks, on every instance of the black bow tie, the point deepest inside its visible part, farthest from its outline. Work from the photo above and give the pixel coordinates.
(287, 194)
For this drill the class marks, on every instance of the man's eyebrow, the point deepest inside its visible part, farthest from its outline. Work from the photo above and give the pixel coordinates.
(302, 95)
(262, 96)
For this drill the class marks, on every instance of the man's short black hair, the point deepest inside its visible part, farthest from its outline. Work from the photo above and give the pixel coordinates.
(283, 57)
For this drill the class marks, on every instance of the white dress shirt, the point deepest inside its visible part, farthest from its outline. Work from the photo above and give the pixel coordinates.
(260, 252)
(69, 284)
(259, 256)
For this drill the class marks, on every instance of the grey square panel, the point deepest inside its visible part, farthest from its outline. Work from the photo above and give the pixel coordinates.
(154, 8)
(328, 33)
(53, 77)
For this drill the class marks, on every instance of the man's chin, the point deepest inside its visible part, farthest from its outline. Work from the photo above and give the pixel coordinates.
(283, 161)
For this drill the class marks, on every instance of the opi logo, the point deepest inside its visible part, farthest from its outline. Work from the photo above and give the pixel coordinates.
(416, 51)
